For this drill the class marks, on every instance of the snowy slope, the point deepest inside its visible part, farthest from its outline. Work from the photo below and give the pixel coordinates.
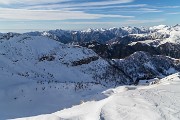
(39, 75)
(40, 58)
(155, 102)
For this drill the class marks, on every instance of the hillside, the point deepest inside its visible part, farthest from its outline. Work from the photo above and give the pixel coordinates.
(34, 69)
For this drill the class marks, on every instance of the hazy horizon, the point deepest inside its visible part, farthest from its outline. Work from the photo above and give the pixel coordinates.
(41, 30)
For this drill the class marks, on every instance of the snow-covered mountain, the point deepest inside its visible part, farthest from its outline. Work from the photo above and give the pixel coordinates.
(114, 40)
(99, 35)
(41, 58)
(40, 75)
(36, 68)
(162, 32)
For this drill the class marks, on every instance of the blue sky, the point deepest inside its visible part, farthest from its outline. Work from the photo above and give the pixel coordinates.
(30, 15)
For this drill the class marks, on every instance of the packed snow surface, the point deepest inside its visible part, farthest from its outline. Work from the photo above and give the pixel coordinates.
(160, 101)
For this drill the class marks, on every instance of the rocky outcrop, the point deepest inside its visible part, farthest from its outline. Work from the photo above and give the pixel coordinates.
(85, 61)
(47, 58)
(119, 51)
(143, 66)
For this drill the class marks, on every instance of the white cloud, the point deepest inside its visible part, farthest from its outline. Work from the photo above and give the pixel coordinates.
(27, 2)
(40, 10)
(174, 13)
(146, 10)
(62, 10)
(105, 2)
(87, 7)
(170, 7)
(85, 3)
(22, 14)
